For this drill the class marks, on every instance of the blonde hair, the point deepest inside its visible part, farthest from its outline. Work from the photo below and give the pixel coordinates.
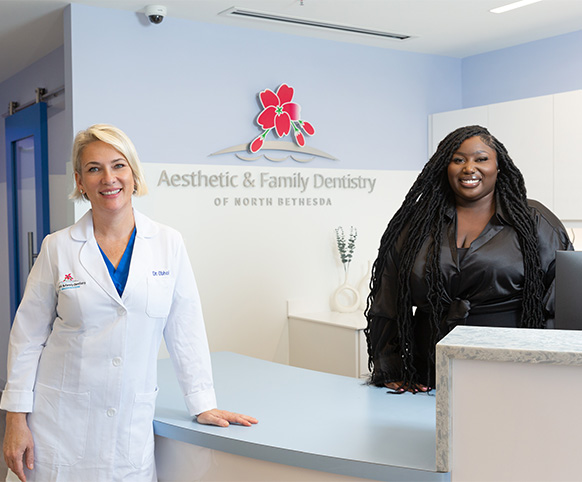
(117, 139)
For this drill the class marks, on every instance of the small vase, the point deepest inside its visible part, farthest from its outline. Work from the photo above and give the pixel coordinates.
(338, 298)
(364, 287)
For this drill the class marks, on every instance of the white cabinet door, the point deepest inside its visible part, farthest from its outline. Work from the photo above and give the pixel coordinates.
(525, 127)
(446, 122)
(568, 155)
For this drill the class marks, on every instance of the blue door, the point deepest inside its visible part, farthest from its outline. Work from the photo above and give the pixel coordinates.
(27, 192)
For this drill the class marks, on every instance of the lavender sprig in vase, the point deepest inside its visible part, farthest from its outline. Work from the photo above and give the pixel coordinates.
(345, 291)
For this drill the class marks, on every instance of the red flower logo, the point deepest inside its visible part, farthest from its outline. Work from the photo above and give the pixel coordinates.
(282, 115)
(69, 277)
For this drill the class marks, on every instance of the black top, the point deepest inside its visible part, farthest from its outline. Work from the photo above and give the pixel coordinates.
(483, 288)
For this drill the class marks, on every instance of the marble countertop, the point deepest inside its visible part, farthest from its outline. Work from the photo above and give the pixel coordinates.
(514, 345)
(562, 347)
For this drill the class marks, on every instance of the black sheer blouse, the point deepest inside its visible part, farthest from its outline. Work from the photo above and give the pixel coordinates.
(483, 287)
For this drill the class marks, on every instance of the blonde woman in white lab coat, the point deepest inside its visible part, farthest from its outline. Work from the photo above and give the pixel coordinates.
(81, 383)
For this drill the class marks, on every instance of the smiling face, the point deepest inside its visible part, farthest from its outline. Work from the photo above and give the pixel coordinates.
(106, 178)
(472, 172)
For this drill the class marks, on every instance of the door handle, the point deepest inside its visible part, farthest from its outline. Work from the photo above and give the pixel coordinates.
(31, 254)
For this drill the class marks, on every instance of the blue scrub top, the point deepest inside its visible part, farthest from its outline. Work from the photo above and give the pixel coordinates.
(119, 275)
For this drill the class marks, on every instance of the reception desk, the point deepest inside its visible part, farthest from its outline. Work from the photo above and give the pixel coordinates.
(312, 426)
(509, 404)
(507, 409)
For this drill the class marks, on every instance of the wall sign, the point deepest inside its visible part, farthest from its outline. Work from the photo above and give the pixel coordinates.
(281, 116)
(248, 186)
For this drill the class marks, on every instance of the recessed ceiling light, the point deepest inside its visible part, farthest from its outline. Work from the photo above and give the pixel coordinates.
(513, 6)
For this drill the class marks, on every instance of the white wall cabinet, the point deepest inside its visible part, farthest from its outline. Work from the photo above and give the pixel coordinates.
(525, 128)
(446, 122)
(541, 135)
(568, 155)
(329, 342)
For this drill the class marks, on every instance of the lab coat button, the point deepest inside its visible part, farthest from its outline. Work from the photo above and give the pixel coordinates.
(116, 361)
(111, 412)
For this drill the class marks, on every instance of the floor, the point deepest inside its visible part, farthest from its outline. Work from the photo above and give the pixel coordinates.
(3, 468)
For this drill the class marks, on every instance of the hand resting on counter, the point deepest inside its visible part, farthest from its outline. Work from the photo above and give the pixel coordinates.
(223, 418)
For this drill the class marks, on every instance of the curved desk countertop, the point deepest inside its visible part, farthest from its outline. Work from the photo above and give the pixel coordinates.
(309, 419)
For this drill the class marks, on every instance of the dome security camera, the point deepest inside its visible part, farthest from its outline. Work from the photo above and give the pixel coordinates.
(155, 13)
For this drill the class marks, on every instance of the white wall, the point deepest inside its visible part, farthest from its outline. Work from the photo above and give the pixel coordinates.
(249, 260)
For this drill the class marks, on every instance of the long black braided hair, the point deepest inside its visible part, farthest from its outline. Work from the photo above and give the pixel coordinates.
(422, 215)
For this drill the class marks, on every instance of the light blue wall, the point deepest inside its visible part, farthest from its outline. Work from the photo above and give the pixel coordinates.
(183, 89)
(537, 68)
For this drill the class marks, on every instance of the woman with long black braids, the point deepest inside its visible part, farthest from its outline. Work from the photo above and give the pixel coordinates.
(466, 247)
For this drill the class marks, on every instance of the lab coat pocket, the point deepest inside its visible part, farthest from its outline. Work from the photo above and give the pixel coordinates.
(59, 425)
(160, 294)
(141, 436)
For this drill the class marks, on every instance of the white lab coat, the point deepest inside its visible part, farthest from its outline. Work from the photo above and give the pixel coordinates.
(82, 360)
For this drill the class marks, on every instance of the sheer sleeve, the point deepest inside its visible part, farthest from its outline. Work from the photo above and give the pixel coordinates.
(552, 236)
(384, 352)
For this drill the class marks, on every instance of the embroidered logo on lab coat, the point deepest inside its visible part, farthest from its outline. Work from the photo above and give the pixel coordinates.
(69, 282)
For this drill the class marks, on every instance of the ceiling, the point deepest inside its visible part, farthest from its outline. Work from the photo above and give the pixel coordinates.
(30, 29)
